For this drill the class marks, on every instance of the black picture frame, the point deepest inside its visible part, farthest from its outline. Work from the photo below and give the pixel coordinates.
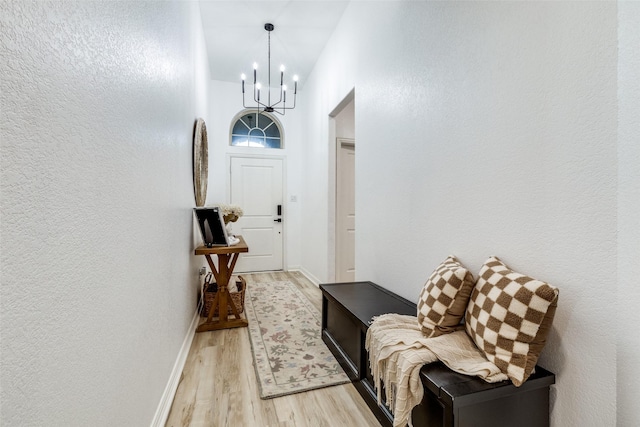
(212, 227)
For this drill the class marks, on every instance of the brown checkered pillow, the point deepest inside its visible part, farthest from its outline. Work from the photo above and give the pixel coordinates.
(509, 317)
(444, 298)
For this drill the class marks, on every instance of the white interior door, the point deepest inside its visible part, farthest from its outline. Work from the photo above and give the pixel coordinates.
(345, 211)
(256, 186)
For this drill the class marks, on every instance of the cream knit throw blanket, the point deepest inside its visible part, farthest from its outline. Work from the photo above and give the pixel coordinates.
(398, 349)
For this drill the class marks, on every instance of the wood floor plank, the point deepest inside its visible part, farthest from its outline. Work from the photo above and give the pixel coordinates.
(219, 386)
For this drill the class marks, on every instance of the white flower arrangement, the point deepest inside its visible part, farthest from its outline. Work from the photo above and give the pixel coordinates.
(231, 213)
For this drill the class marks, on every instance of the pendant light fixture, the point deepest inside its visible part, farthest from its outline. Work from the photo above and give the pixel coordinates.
(263, 100)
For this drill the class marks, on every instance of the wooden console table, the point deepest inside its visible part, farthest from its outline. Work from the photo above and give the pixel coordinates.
(227, 258)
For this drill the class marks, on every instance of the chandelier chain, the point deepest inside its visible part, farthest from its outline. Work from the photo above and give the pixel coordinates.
(269, 66)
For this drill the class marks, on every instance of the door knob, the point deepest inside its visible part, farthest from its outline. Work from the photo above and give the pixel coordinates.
(277, 220)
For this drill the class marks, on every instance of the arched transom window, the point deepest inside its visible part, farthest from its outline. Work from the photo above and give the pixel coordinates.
(252, 129)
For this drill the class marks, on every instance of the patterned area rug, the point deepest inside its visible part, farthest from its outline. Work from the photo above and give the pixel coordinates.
(285, 332)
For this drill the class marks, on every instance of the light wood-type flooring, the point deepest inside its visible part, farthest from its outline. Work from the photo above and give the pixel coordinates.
(219, 388)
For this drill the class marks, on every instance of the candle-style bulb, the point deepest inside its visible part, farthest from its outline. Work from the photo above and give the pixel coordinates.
(282, 68)
(258, 86)
(295, 78)
(255, 65)
(243, 77)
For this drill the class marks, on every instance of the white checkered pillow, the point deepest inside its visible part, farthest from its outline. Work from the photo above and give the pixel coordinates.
(444, 298)
(509, 317)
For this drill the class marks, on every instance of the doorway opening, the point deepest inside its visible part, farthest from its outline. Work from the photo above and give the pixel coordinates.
(342, 165)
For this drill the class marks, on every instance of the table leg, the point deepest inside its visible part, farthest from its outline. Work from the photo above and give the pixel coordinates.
(226, 264)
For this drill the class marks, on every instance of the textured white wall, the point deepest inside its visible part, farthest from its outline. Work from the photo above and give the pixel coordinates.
(628, 208)
(484, 128)
(328, 85)
(225, 102)
(98, 106)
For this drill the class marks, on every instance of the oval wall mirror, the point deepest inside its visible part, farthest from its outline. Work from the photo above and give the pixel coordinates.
(200, 162)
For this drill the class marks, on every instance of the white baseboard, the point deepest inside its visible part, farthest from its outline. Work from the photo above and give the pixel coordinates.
(162, 413)
(313, 279)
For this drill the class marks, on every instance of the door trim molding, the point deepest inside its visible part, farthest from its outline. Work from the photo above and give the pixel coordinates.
(332, 142)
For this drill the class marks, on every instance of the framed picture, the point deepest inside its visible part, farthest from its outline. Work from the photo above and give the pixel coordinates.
(211, 224)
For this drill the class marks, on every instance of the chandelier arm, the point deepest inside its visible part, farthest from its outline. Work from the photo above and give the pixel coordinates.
(277, 103)
(258, 103)
(256, 96)
(285, 102)
(292, 107)
(244, 104)
(284, 107)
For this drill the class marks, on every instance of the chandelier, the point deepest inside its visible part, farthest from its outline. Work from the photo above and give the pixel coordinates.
(280, 106)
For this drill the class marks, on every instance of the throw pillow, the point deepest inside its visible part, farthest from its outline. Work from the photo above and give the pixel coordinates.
(509, 317)
(444, 298)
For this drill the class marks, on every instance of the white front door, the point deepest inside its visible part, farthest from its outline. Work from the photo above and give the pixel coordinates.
(256, 186)
(345, 211)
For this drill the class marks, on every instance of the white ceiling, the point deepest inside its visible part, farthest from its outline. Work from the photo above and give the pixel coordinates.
(235, 36)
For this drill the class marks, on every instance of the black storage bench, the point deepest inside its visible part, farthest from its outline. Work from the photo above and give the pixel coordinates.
(450, 399)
